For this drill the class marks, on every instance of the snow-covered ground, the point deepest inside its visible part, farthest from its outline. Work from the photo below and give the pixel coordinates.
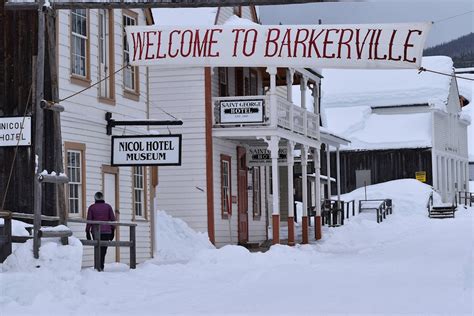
(408, 264)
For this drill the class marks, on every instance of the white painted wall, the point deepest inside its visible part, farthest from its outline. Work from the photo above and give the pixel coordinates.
(84, 122)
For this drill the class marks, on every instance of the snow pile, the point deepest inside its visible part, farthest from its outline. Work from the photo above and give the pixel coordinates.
(54, 257)
(469, 111)
(19, 228)
(175, 241)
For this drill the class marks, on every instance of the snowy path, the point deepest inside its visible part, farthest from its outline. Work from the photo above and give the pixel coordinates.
(408, 264)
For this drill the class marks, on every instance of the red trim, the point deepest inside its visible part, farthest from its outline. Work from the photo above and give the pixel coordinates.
(305, 229)
(317, 228)
(209, 156)
(291, 231)
(276, 228)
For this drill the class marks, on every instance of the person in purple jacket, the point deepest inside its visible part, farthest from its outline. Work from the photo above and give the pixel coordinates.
(101, 211)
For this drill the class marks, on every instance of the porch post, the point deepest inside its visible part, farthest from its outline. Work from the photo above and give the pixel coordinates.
(272, 71)
(289, 84)
(317, 184)
(291, 203)
(273, 146)
(303, 86)
(328, 164)
(338, 177)
(304, 180)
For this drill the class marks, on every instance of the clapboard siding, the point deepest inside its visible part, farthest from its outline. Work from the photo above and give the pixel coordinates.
(84, 122)
(181, 191)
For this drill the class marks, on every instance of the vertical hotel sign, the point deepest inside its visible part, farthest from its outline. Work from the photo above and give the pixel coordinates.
(363, 46)
(149, 150)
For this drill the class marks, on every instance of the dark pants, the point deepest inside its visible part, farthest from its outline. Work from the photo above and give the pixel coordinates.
(103, 250)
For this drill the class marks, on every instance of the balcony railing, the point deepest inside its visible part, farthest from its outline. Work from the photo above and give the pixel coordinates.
(290, 116)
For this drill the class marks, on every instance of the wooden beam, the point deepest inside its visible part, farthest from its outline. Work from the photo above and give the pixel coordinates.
(135, 4)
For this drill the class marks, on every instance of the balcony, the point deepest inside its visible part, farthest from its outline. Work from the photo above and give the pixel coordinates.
(256, 112)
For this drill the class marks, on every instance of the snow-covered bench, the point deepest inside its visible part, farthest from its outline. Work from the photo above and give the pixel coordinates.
(383, 207)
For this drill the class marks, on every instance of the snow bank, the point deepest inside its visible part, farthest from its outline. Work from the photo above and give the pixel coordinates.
(54, 257)
(18, 227)
(175, 241)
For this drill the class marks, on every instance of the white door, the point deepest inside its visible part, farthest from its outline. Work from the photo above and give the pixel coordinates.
(110, 197)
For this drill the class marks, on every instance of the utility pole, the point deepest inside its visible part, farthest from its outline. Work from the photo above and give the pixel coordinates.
(39, 123)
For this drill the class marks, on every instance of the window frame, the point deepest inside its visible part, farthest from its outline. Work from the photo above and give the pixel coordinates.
(76, 147)
(144, 215)
(223, 78)
(110, 42)
(226, 159)
(256, 193)
(129, 93)
(78, 78)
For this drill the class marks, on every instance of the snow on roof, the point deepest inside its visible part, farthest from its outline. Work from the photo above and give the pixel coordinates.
(468, 110)
(185, 16)
(392, 87)
(466, 87)
(369, 131)
(235, 20)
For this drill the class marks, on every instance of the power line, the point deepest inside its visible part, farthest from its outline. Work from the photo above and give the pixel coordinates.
(422, 69)
(454, 16)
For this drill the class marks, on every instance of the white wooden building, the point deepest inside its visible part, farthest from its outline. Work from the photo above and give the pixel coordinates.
(229, 168)
(402, 122)
(90, 48)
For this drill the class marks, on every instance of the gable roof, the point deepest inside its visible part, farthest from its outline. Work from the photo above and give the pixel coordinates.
(392, 87)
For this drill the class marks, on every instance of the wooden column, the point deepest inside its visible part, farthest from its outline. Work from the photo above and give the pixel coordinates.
(317, 184)
(39, 123)
(291, 203)
(304, 180)
(273, 146)
(338, 176)
(272, 71)
(328, 164)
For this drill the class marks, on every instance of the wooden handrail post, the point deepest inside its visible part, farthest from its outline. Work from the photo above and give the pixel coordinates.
(133, 249)
(96, 236)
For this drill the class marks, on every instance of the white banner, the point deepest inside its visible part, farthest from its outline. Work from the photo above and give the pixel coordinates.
(15, 130)
(323, 46)
(159, 150)
(241, 111)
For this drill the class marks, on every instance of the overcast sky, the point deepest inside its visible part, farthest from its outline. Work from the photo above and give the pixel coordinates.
(381, 11)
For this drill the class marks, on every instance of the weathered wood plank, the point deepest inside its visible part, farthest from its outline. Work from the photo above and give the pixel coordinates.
(135, 4)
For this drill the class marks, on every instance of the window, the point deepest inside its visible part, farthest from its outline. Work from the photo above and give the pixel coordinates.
(226, 192)
(130, 74)
(257, 199)
(106, 65)
(139, 191)
(79, 43)
(75, 170)
(253, 82)
(223, 82)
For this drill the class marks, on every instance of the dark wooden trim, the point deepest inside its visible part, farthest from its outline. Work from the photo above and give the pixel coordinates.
(82, 148)
(209, 154)
(228, 159)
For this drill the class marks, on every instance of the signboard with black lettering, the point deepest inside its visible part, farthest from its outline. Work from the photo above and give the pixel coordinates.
(261, 156)
(149, 150)
(241, 111)
(15, 131)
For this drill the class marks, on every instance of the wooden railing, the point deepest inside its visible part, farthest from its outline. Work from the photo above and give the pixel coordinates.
(97, 243)
(468, 198)
(290, 116)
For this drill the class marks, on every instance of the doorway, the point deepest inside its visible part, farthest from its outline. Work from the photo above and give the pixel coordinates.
(110, 181)
(242, 195)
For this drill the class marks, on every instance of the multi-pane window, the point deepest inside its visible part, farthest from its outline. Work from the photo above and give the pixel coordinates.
(257, 199)
(139, 191)
(223, 82)
(104, 54)
(129, 73)
(226, 197)
(79, 42)
(74, 172)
